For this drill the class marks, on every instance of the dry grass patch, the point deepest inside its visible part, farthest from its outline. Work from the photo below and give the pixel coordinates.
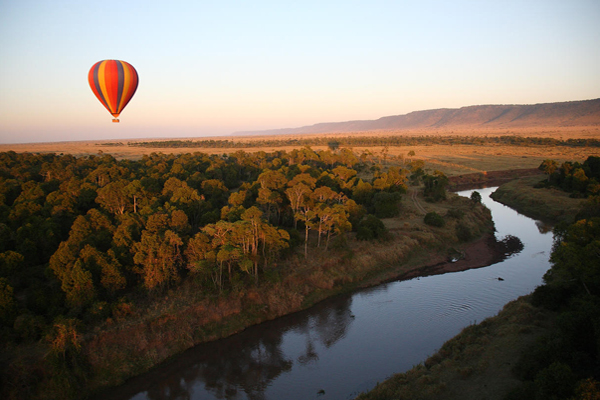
(547, 204)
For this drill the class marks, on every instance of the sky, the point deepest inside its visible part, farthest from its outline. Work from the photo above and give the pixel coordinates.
(210, 68)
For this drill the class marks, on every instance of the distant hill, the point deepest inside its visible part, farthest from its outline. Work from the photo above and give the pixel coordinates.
(565, 114)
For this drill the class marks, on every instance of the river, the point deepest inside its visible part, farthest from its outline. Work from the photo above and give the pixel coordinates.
(345, 345)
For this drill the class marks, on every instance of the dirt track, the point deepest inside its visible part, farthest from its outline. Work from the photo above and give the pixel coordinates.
(413, 197)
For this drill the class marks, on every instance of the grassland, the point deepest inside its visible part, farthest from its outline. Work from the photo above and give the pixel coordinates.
(547, 204)
(450, 159)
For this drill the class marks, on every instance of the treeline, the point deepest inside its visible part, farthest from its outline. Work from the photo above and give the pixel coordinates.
(580, 179)
(565, 364)
(81, 237)
(353, 141)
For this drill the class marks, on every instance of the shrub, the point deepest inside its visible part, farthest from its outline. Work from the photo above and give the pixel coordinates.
(463, 232)
(476, 197)
(551, 297)
(455, 213)
(371, 228)
(434, 219)
(386, 204)
(555, 382)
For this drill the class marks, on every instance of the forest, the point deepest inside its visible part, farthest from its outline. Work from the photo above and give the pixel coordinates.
(81, 237)
(565, 362)
(582, 180)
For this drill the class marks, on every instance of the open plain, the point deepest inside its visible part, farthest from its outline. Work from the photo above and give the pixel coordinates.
(456, 159)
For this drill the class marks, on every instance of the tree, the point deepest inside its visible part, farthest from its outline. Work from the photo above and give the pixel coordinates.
(434, 219)
(575, 256)
(296, 195)
(338, 222)
(8, 306)
(68, 366)
(273, 180)
(135, 191)
(370, 228)
(333, 145)
(435, 186)
(158, 254)
(198, 251)
(363, 192)
(78, 286)
(105, 265)
(386, 204)
(160, 258)
(220, 236)
(179, 192)
(113, 197)
(271, 200)
(549, 167)
(476, 197)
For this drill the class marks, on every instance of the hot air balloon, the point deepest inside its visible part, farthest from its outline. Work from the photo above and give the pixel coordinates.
(114, 83)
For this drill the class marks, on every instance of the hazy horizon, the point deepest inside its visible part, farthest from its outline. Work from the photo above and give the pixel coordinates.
(215, 69)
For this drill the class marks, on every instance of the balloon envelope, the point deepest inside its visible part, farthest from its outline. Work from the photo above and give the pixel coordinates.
(114, 83)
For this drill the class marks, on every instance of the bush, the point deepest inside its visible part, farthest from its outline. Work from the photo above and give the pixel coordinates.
(555, 382)
(434, 219)
(455, 213)
(371, 228)
(476, 197)
(463, 232)
(386, 204)
(551, 297)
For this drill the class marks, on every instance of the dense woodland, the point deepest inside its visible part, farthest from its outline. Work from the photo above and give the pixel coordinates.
(580, 179)
(81, 237)
(565, 364)
(350, 141)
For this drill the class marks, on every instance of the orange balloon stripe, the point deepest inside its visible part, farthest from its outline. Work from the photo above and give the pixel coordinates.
(114, 83)
(112, 88)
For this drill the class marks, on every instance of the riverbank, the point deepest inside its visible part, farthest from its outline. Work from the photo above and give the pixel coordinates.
(476, 364)
(546, 204)
(491, 178)
(187, 318)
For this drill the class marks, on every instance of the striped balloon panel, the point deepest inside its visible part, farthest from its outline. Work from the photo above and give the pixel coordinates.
(114, 83)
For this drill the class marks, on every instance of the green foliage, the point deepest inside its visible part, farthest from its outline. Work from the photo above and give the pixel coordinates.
(80, 237)
(552, 367)
(581, 180)
(455, 213)
(476, 197)
(7, 303)
(555, 382)
(463, 232)
(435, 186)
(434, 219)
(386, 205)
(333, 145)
(68, 366)
(371, 228)
(358, 141)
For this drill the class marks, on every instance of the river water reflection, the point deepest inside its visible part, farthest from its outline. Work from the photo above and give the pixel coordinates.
(345, 345)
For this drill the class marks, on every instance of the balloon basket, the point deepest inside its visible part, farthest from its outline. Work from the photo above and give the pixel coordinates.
(115, 120)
